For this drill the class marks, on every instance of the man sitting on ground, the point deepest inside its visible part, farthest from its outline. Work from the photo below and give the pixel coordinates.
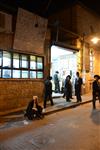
(34, 110)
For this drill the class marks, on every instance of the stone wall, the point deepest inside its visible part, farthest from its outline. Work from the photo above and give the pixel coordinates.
(6, 41)
(78, 19)
(5, 22)
(28, 39)
(16, 93)
(30, 32)
(87, 21)
(65, 18)
(82, 21)
(6, 35)
(97, 62)
(88, 24)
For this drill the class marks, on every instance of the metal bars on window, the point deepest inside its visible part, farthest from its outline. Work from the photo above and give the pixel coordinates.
(16, 65)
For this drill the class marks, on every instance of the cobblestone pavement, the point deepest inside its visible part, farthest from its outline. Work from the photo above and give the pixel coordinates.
(74, 129)
(17, 119)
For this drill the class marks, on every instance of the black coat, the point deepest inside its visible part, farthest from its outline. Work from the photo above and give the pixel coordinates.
(95, 87)
(67, 87)
(30, 106)
(30, 111)
(48, 87)
(78, 83)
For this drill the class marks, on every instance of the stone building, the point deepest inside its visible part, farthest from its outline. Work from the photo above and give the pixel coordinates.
(25, 51)
(76, 26)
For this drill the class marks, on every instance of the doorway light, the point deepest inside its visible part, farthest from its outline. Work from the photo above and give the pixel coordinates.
(58, 51)
(95, 40)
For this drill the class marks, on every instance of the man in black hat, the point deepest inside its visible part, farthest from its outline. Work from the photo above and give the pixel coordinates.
(68, 88)
(95, 90)
(48, 91)
(78, 85)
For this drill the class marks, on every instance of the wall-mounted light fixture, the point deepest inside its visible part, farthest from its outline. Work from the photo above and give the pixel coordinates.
(95, 40)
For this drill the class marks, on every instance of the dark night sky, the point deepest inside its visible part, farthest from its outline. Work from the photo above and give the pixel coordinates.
(45, 7)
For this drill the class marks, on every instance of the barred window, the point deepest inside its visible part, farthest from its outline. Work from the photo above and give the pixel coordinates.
(15, 60)
(17, 65)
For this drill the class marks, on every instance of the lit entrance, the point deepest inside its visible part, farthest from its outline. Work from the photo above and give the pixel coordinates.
(65, 62)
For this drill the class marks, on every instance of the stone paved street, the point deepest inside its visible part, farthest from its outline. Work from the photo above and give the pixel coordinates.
(18, 119)
(72, 129)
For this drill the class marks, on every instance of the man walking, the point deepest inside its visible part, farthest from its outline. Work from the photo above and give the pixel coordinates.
(48, 91)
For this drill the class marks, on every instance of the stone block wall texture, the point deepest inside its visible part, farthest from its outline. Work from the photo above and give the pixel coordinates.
(82, 21)
(28, 38)
(6, 35)
(30, 32)
(6, 41)
(17, 93)
(97, 62)
(6, 24)
(78, 19)
(87, 21)
(65, 18)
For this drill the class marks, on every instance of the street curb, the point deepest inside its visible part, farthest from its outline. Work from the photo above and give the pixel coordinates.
(15, 111)
(66, 107)
(18, 115)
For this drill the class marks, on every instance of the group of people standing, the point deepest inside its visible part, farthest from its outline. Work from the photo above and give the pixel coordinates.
(68, 88)
(35, 110)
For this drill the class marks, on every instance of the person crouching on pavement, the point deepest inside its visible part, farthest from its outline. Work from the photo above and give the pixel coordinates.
(34, 110)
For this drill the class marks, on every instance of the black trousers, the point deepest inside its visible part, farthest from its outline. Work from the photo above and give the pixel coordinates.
(57, 87)
(32, 114)
(94, 99)
(78, 95)
(46, 97)
(68, 95)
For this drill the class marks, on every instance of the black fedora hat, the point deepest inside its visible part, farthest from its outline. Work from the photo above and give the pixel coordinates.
(97, 76)
(57, 72)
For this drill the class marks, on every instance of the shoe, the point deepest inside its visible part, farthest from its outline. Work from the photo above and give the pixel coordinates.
(71, 98)
(94, 108)
(42, 116)
(68, 100)
(52, 104)
(43, 110)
